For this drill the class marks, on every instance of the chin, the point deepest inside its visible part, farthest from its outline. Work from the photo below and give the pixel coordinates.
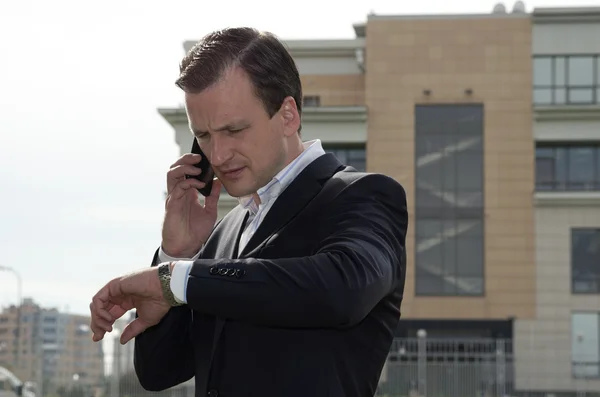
(237, 191)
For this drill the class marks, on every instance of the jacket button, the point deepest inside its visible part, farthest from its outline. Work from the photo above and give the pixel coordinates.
(213, 270)
(212, 393)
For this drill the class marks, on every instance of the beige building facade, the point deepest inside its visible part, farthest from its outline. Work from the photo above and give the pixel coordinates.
(492, 124)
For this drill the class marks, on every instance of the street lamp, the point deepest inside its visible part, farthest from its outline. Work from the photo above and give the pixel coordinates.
(19, 304)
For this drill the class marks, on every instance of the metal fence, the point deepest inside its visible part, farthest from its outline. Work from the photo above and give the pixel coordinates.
(416, 367)
(421, 367)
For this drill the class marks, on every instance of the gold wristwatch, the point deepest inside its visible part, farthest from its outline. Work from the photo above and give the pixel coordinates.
(164, 275)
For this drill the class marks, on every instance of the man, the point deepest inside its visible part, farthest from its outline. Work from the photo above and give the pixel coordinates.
(297, 291)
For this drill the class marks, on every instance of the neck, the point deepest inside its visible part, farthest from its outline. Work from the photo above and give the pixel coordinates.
(295, 149)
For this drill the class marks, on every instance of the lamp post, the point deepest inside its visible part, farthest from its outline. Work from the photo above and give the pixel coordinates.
(19, 304)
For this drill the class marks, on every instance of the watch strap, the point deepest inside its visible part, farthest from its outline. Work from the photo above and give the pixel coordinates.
(164, 275)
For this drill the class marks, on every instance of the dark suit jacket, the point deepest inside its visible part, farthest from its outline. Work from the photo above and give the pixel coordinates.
(309, 307)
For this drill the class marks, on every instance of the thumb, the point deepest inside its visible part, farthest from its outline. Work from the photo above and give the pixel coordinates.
(133, 329)
(212, 200)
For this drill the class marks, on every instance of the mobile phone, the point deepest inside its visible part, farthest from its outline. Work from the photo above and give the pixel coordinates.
(207, 173)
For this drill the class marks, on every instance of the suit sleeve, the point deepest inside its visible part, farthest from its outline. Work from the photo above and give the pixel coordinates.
(360, 260)
(163, 354)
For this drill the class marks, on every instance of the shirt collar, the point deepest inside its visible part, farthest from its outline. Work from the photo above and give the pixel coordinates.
(312, 150)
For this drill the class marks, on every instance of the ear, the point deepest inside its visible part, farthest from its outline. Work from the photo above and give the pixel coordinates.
(290, 116)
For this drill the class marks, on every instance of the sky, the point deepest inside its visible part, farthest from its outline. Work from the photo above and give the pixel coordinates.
(83, 151)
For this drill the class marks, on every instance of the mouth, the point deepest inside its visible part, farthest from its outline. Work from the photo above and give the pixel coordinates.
(232, 173)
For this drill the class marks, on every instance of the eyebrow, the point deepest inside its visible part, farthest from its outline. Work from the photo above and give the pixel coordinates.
(226, 127)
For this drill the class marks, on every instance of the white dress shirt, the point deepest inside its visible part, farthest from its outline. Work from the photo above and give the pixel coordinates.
(268, 194)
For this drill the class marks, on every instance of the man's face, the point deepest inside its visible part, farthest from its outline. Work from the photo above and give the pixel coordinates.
(245, 146)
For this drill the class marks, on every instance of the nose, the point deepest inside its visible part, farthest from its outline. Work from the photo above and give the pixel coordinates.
(220, 150)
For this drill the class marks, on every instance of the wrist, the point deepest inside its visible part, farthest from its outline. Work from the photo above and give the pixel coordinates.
(181, 254)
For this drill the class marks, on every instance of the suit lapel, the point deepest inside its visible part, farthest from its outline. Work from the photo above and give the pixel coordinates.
(232, 225)
(293, 199)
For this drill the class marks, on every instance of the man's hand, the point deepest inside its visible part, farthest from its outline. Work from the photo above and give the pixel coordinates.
(187, 222)
(140, 290)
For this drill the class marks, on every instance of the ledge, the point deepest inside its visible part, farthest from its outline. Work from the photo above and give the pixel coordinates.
(335, 114)
(567, 199)
(174, 116)
(566, 15)
(564, 112)
(178, 116)
(325, 48)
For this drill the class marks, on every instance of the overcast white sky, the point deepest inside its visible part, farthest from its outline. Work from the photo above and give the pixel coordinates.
(83, 151)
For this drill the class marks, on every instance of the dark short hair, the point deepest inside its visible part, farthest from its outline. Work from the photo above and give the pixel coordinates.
(261, 55)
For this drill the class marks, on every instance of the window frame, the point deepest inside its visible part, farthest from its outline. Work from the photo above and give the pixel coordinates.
(566, 183)
(575, 277)
(556, 87)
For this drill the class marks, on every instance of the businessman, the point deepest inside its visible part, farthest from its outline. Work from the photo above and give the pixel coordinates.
(297, 290)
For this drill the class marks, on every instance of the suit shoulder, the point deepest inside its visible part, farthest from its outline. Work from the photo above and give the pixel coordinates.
(369, 182)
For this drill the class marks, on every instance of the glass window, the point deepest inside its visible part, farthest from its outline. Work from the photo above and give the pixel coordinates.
(560, 96)
(560, 71)
(560, 80)
(428, 228)
(581, 95)
(469, 256)
(544, 173)
(581, 71)
(568, 168)
(311, 101)
(585, 344)
(469, 167)
(581, 167)
(542, 96)
(429, 285)
(448, 172)
(585, 260)
(351, 156)
(597, 171)
(542, 71)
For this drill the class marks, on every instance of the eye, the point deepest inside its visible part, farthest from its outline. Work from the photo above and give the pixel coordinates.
(236, 130)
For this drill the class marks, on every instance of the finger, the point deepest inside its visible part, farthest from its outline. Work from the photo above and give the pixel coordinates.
(101, 301)
(188, 158)
(181, 188)
(107, 316)
(211, 202)
(100, 325)
(101, 320)
(133, 329)
(97, 337)
(178, 173)
(118, 311)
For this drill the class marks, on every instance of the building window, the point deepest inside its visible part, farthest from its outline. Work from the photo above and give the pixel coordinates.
(567, 167)
(566, 80)
(585, 260)
(449, 246)
(311, 101)
(351, 155)
(585, 344)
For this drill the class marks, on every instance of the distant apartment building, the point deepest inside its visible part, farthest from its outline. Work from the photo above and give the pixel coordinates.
(492, 124)
(56, 349)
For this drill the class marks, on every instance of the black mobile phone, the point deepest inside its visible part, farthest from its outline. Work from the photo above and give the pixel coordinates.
(207, 173)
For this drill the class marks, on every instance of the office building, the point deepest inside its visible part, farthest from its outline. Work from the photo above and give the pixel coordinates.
(492, 124)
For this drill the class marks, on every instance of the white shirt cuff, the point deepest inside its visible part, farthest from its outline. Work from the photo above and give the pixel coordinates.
(179, 280)
(163, 257)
